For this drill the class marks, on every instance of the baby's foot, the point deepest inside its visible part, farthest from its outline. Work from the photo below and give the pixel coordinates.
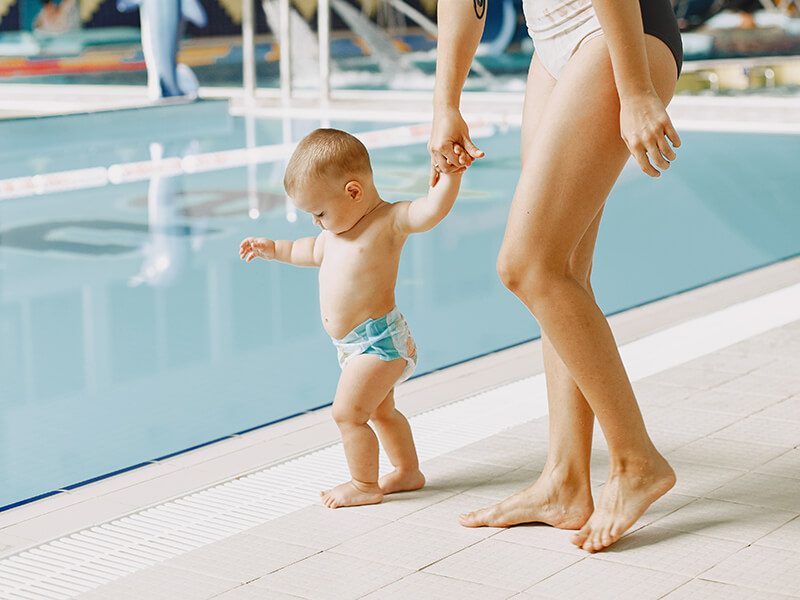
(352, 493)
(626, 495)
(402, 481)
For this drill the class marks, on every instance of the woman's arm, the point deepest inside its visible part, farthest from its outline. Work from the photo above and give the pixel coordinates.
(644, 122)
(460, 25)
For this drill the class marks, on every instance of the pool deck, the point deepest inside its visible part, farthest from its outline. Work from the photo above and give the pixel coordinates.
(729, 421)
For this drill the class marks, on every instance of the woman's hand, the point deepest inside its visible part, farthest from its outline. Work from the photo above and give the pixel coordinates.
(645, 127)
(450, 146)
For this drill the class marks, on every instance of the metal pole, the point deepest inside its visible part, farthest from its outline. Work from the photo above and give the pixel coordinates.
(285, 40)
(324, 34)
(248, 53)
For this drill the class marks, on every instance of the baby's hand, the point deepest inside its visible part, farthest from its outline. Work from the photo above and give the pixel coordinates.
(251, 248)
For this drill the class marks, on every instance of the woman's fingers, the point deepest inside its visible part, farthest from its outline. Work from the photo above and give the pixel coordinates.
(654, 153)
(434, 175)
(639, 152)
(443, 162)
(472, 149)
(672, 134)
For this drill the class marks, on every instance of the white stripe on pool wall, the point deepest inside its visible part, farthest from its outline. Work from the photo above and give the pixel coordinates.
(66, 567)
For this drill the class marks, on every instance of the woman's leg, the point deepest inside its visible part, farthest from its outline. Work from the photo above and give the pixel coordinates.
(561, 496)
(575, 159)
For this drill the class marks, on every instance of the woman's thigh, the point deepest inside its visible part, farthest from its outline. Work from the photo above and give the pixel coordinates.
(574, 157)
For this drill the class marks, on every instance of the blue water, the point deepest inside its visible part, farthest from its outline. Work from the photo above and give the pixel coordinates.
(126, 337)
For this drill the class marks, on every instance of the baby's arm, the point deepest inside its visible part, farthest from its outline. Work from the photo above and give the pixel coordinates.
(305, 252)
(425, 213)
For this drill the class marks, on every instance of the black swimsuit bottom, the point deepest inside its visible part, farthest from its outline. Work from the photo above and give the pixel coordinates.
(659, 21)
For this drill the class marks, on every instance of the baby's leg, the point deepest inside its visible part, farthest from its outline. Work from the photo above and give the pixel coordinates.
(395, 434)
(365, 382)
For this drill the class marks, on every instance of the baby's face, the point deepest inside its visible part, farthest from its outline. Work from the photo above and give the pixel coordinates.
(335, 208)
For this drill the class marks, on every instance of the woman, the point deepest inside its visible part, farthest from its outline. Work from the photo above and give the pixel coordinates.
(601, 76)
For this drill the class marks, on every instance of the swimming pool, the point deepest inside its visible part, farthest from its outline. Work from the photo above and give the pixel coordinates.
(130, 329)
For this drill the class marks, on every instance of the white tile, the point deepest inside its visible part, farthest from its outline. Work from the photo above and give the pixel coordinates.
(328, 575)
(760, 568)
(426, 585)
(241, 557)
(726, 453)
(9, 544)
(661, 549)
(730, 402)
(504, 486)
(406, 545)
(788, 409)
(786, 537)
(161, 583)
(729, 363)
(397, 506)
(667, 504)
(68, 519)
(774, 432)
(762, 490)
(688, 377)
(699, 589)
(689, 421)
(503, 565)
(669, 440)
(541, 536)
(444, 515)
(503, 451)
(759, 385)
(592, 579)
(785, 465)
(726, 520)
(651, 393)
(699, 480)
(12, 516)
(318, 527)
(449, 473)
(781, 368)
(252, 592)
(535, 430)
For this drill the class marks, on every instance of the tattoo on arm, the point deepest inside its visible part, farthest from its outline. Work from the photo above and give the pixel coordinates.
(480, 7)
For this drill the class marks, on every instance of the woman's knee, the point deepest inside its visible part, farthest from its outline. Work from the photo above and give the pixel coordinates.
(530, 278)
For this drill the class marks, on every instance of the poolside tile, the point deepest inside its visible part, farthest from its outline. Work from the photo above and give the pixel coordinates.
(653, 393)
(689, 377)
(539, 535)
(654, 547)
(502, 487)
(729, 363)
(10, 544)
(397, 506)
(252, 592)
(726, 520)
(785, 465)
(593, 579)
(426, 585)
(241, 557)
(788, 410)
(444, 515)
(728, 402)
(406, 545)
(502, 564)
(499, 450)
(451, 473)
(161, 583)
(330, 575)
(762, 490)
(760, 568)
(785, 537)
(764, 431)
(667, 504)
(732, 454)
(712, 590)
(318, 527)
(755, 384)
(687, 420)
(699, 480)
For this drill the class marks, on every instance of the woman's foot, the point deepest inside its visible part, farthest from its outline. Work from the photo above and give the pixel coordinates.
(352, 493)
(629, 491)
(402, 481)
(555, 500)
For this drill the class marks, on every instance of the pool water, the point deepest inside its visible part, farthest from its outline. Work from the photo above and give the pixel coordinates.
(130, 329)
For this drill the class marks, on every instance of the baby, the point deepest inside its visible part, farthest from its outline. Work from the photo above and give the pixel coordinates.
(358, 253)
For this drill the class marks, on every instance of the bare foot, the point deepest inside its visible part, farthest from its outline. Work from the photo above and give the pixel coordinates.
(551, 499)
(402, 481)
(352, 493)
(628, 492)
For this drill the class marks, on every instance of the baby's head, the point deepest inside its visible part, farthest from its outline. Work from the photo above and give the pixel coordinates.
(329, 176)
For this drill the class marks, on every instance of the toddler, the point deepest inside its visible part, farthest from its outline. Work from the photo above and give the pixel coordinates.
(358, 252)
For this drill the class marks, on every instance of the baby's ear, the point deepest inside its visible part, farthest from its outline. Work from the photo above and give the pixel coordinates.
(354, 190)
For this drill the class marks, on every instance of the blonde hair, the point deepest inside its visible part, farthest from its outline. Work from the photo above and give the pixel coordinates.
(326, 153)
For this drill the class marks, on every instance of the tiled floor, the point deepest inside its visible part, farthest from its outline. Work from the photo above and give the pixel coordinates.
(729, 422)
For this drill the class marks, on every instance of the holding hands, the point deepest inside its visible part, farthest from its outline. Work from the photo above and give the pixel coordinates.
(450, 146)
(252, 248)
